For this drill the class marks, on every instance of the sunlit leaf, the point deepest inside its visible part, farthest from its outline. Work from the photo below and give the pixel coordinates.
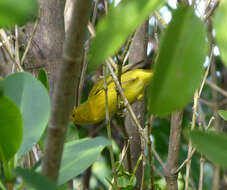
(220, 28)
(33, 100)
(11, 128)
(116, 26)
(78, 155)
(223, 114)
(179, 67)
(17, 12)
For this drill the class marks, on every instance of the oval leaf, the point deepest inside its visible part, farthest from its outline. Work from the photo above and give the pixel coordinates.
(223, 114)
(179, 67)
(33, 100)
(35, 180)
(212, 144)
(220, 28)
(17, 12)
(11, 128)
(42, 77)
(78, 155)
(116, 26)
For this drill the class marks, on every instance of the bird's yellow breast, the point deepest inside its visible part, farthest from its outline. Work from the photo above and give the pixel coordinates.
(93, 110)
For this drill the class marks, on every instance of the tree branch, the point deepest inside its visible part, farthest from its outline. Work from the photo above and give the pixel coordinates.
(216, 88)
(67, 81)
(137, 52)
(173, 150)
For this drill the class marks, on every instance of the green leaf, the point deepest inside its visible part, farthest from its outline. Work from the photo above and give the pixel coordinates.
(116, 26)
(33, 100)
(78, 155)
(179, 67)
(1, 87)
(101, 171)
(35, 180)
(220, 28)
(11, 129)
(212, 144)
(124, 181)
(42, 77)
(17, 12)
(223, 114)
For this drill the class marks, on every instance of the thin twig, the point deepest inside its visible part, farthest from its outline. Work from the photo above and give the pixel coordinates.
(126, 138)
(194, 149)
(160, 19)
(206, 73)
(156, 155)
(94, 13)
(109, 129)
(211, 10)
(156, 171)
(125, 52)
(186, 161)
(17, 58)
(9, 49)
(149, 144)
(202, 161)
(123, 154)
(216, 88)
(126, 103)
(195, 107)
(85, 56)
(188, 165)
(206, 102)
(131, 65)
(29, 41)
(9, 38)
(137, 165)
(143, 169)
(222, 103)
(210, 122)
(120, 104)
(35, 153)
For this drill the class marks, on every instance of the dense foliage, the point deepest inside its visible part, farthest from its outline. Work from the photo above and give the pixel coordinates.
(187, 55)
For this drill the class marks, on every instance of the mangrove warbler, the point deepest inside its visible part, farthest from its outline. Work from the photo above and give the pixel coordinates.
(93, 110)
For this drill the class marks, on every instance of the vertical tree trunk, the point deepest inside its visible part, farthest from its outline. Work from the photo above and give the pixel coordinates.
(173, 151)
(67, 81)
(46, 47)
(137, 52)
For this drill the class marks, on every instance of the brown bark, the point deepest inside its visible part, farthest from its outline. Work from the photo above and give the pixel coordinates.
(137, 52)
(5, 64)
(173, 151)
(67, 82)
(47, 43)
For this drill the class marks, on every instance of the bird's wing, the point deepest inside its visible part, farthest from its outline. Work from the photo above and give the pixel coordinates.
(99, 86)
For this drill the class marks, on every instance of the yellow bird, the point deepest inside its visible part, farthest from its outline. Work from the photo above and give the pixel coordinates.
(93, 110)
